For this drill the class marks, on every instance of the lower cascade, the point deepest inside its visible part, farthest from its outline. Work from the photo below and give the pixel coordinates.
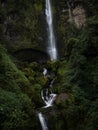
(42, 121)
(48, 98)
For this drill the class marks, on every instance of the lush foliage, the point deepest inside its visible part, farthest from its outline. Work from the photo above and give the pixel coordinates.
(22, 25)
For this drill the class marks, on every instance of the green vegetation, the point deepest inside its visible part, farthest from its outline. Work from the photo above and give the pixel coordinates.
(22, 25)
(16, 106)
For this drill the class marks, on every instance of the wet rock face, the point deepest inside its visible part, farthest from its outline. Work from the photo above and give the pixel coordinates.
(79, 16)
(30, 55)
(77, 13)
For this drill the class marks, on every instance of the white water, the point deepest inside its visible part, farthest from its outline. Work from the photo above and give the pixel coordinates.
(52, 50)
(44, 72)
(42, 121)
(48, 98)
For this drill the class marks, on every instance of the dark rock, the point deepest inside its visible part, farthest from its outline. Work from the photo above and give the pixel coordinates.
(31, 55)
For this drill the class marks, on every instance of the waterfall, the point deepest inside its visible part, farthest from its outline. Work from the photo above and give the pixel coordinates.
(42, 121)
(52, 50)
(44, 71)
(47, 96)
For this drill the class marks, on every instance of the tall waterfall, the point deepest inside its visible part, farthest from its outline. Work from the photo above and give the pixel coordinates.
(52, 50)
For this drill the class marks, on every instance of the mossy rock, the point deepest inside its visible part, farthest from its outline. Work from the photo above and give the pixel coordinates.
(64, 100)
